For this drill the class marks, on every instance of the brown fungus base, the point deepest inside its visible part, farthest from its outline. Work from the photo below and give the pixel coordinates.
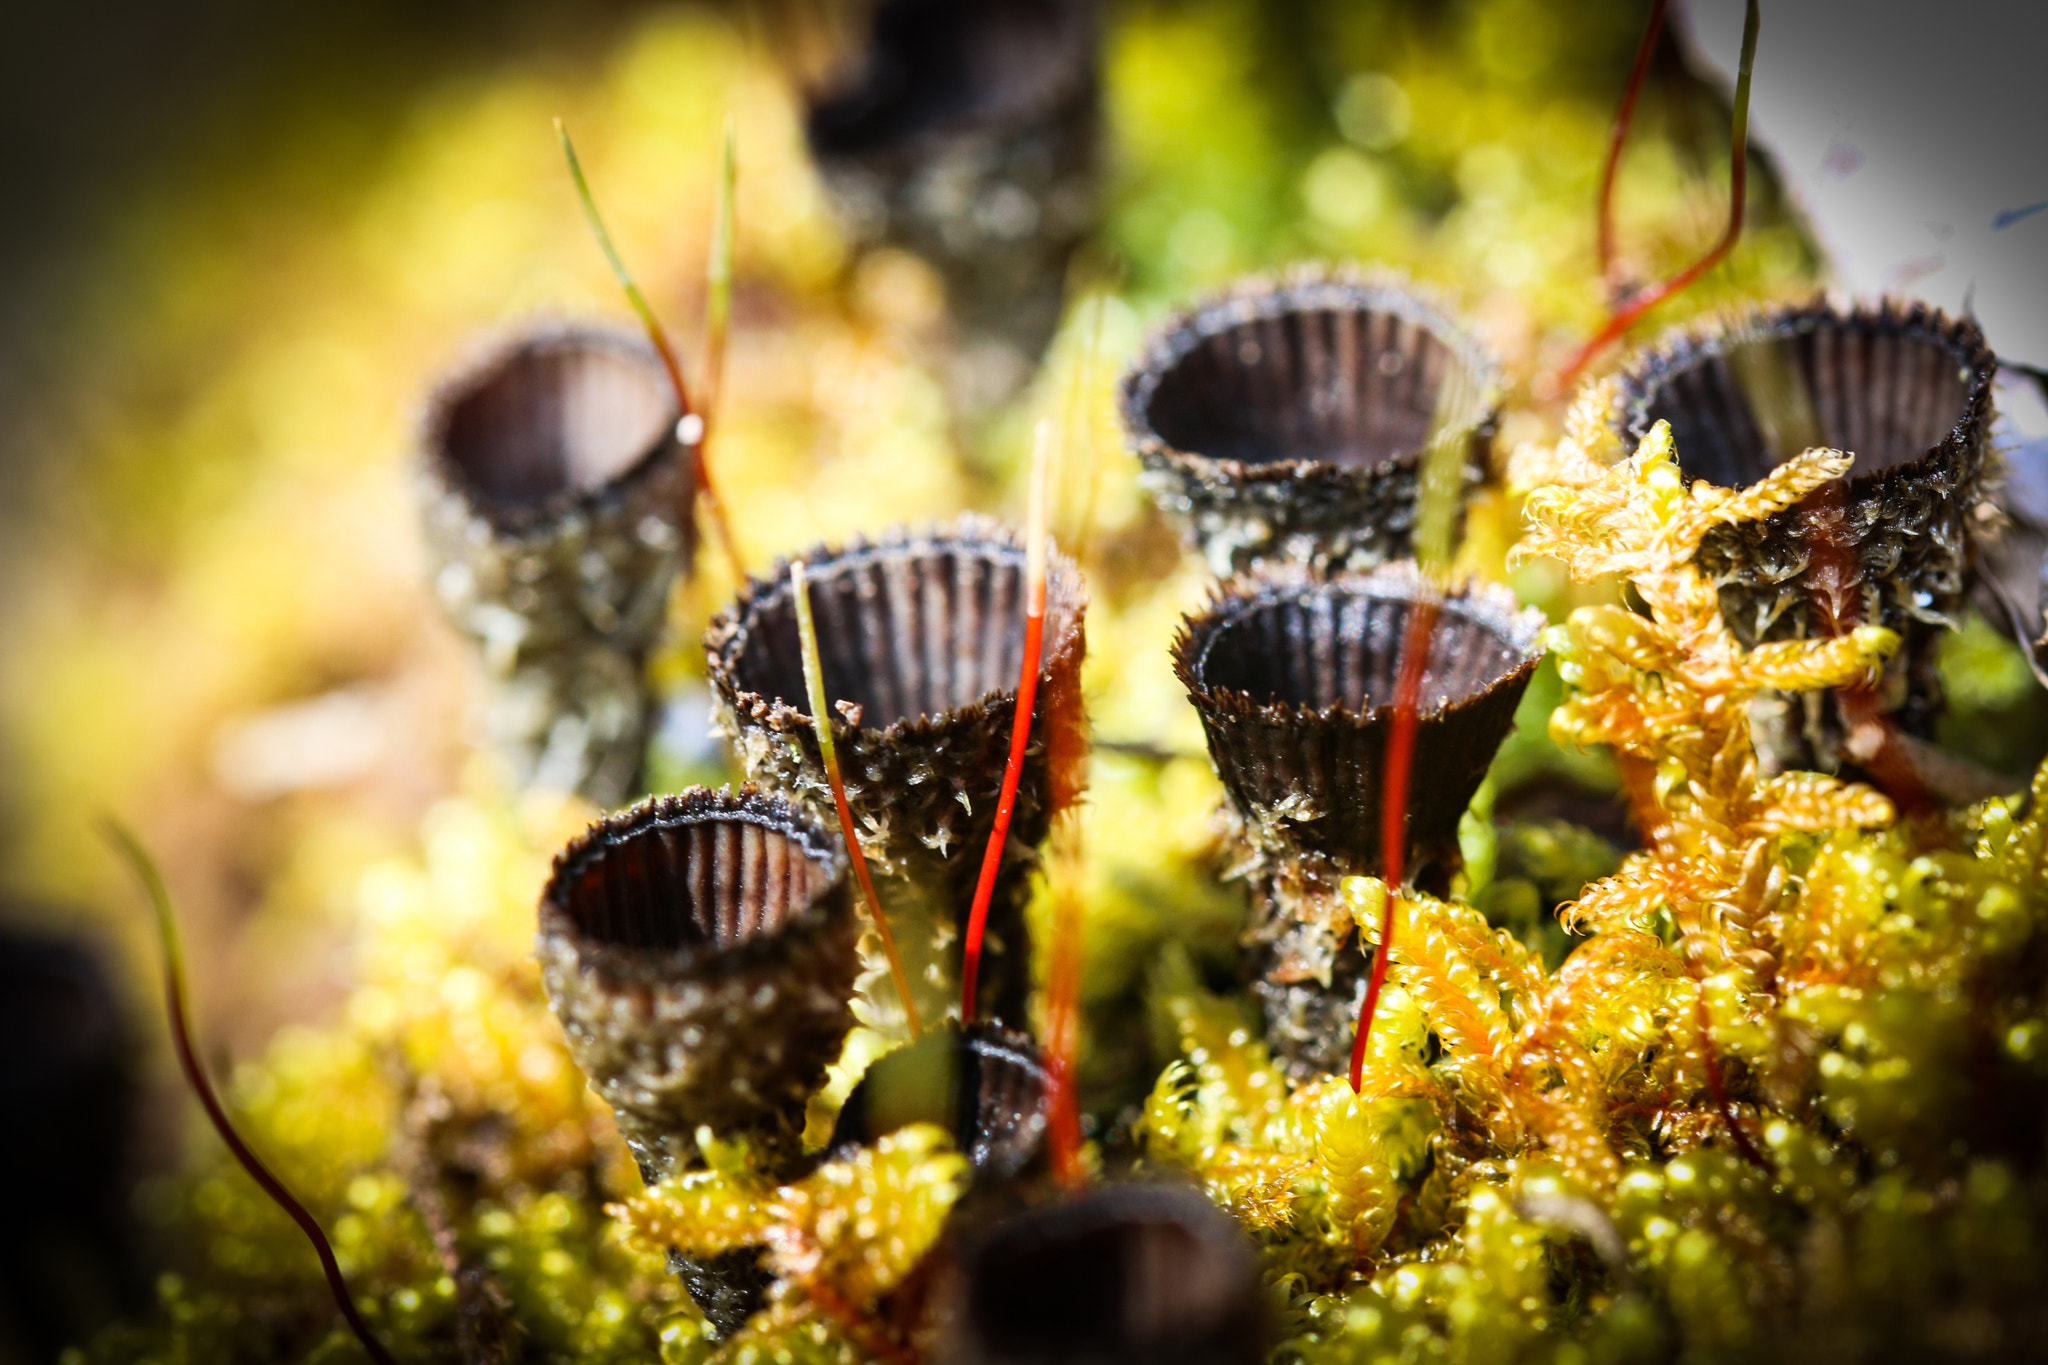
(922, 632)
(1293, 674)
(1904, 389)
(1287, 418)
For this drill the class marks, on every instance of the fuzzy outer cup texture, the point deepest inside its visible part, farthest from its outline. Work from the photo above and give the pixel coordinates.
(1903, 388)
(1136, 1274)
(1293, 673)
(700, 953)
(1287, 418)
(558, 508)
(970, 136)
(921, 634)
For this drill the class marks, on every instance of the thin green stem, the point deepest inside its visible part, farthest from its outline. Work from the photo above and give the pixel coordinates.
(687, 415)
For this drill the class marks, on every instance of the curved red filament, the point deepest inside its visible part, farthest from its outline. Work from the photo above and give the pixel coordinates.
(1400, 766)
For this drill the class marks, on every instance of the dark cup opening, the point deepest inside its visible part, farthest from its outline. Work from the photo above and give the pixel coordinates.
(1329, 380)
(1130, 1274)
(672, 875)
(904, 635)
(559, 415)
(985, 1086)
(1871, 384)
(1340, 646)
(933, 67)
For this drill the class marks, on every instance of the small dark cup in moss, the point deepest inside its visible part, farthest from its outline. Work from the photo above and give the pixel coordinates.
(921, 637)
(985, 1086)
(1293, 673)
(558, 506)
(1130, 1274)
(1287, 419)
(1904, 389)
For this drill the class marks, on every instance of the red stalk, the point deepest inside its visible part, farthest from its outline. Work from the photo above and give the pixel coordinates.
(1020, 726)
(1400, 761)
(1623, 118)
(1648, 297)
(152, 881)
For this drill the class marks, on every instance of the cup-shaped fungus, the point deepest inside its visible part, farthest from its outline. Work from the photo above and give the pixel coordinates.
(1902, 388)
(984, 1085)
(1294, 674)
(1289, 418)
(558, 513)
(921, 639)
(1122, 1275)
(968, 135)
(700, 952)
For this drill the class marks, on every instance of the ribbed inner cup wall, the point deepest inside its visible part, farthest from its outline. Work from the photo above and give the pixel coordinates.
(988, 1091)
(1880, 394)
(1126, 1275)
(1353, 387)
(1343, 649)
(561, 415)
(902, 635)
(1001, 1120)
(719, 882)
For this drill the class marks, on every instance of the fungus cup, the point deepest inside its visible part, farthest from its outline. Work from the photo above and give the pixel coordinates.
(699, 951)
(921, 636)
(1903, 389)
(1287, 418)
(1293, 674)
(557, 504)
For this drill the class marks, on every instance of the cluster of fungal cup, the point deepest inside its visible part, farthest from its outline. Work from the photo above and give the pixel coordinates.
(704, 954)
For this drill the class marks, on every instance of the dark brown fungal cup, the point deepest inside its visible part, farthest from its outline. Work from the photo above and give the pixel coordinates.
(1293, 673)
(558, 513)
(68, 1259)
(921, 637)
(968, 135)
(700, 952)
(1121, 1275)
(985, 1086)
(1287, 419)
(1904, 389)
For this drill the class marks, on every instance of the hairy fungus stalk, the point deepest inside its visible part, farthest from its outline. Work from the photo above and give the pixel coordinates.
(144, 867)
(691, 426)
